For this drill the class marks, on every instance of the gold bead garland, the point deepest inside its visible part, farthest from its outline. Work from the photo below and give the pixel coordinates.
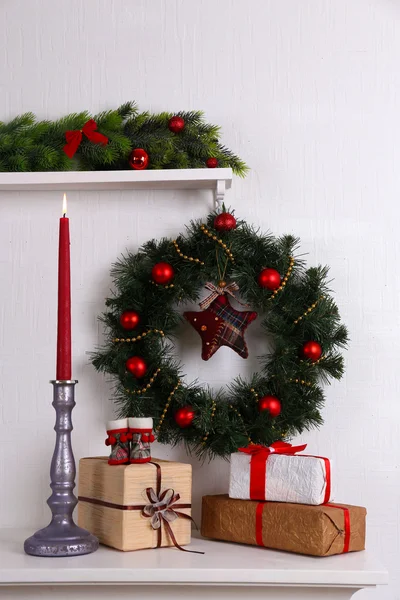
(184, 256)
(139, 337)
(213, 409)
(301, 382)
(169, 399)
(146, 387)
(242, 420)
(166, 287)
(253, 391)
(316, 362)
(219, 241)
(285, 279)
(307, 311)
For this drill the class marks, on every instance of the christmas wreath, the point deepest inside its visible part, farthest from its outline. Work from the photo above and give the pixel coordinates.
(117, 139)
(237, 265)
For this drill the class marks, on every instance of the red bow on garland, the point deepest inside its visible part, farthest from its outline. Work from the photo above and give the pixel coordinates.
(256, 450)
(74, 138)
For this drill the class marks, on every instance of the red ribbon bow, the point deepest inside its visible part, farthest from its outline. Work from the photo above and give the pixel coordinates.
(74, 138)
(275, 448)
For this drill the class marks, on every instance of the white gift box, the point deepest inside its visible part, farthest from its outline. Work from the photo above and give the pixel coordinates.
(288, 478)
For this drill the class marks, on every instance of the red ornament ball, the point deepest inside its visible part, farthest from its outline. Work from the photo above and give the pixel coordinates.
(271, 404)
(139, 159)
(269, 279)
(311, 351)
(137, 366)
(162, 273)
(212, 163)
(224, 222)
(129, 319)
(184, 416)
(176, 124)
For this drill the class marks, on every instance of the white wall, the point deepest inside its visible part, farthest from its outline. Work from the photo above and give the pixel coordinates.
(307, 92)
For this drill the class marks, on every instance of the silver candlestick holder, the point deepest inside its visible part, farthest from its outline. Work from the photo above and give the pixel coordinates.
(62, 537)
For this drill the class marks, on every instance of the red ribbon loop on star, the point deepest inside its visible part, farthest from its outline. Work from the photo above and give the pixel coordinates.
(74, 138)
(216, 291)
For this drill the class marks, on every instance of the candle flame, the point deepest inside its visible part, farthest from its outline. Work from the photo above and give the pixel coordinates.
(64, 208)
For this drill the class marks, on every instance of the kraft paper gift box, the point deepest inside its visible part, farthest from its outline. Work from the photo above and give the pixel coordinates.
(112, 499)
(277, 474)
(315, 530)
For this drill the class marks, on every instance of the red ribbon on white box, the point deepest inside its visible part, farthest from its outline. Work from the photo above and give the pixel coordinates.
(258, 466)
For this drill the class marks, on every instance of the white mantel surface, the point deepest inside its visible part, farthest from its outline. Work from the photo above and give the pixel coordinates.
(222, 564)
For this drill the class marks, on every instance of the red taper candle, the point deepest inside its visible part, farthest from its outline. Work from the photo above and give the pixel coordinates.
(64, 300)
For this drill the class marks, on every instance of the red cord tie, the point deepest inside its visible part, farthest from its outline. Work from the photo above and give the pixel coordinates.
(74, 138)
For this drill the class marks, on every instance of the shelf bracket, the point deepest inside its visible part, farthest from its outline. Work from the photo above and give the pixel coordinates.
(219, 193)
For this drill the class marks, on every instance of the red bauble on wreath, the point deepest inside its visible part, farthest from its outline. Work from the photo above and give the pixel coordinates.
(129, 319)
(184, 416)
(271, 404)
(224, 222)
(212, 163)
(269, 279)
(139, 159)
(176, 124)
(162, 273)
(137, 366)
(311, 351)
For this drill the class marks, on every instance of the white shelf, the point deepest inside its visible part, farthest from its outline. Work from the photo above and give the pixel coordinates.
(173, 179)
(222, 564)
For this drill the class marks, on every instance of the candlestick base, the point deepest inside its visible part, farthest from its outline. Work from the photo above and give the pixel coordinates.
(62, 537)
(65, 540)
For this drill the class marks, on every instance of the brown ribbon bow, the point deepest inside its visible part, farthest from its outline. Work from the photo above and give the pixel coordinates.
(162, 509)
(74, 138)
(216, 291)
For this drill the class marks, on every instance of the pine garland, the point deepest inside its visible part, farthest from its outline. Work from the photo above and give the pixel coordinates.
(303, 310)
(30, 145)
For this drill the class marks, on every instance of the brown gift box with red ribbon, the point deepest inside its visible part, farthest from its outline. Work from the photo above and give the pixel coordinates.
(320, 530)
(132, 507)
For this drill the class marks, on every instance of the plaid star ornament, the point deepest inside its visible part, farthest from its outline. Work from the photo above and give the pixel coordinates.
(221, 325)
